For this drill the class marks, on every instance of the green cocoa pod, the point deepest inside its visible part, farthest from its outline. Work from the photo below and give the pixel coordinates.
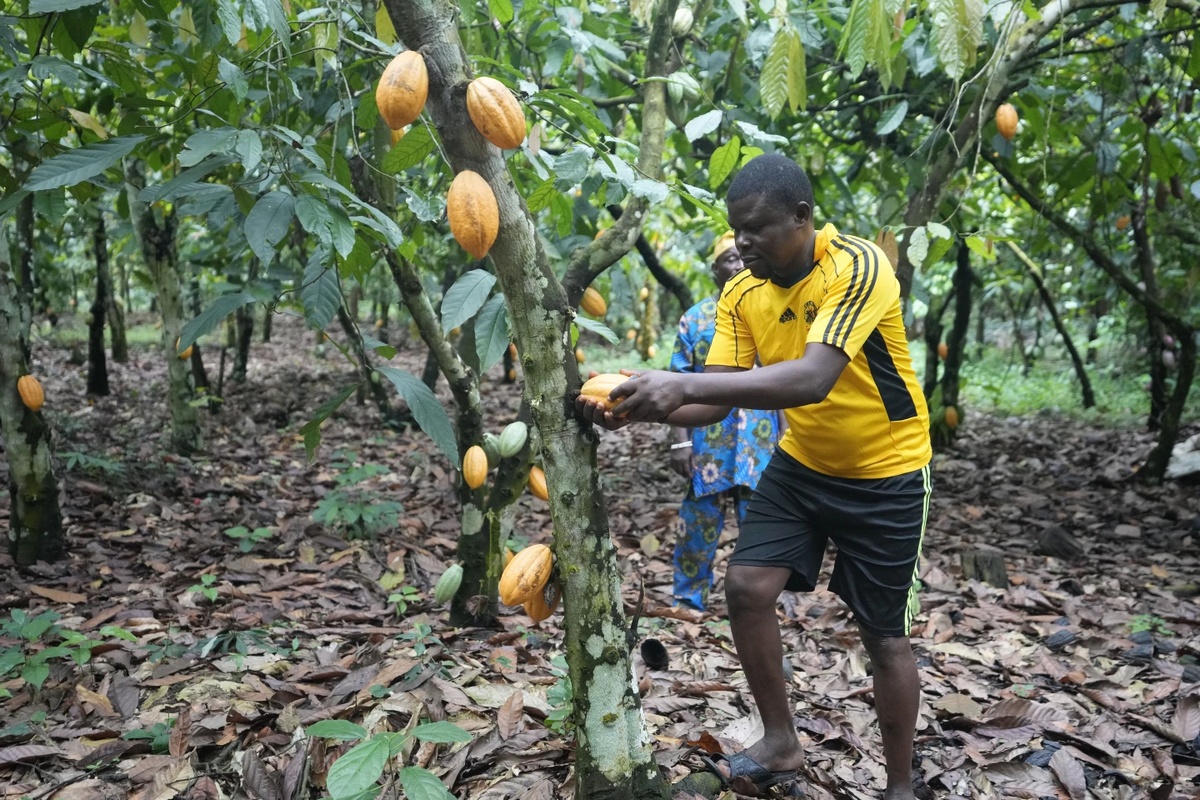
(491, 446)
(512, 439)
(447, 585)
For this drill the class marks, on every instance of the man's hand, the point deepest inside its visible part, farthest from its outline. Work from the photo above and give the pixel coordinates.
(649, 397)
(595, 414)
(682, 461)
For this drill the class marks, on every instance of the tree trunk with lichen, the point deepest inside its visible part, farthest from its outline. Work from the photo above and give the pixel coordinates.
(613, 756)
(35, 529)
(157, 240)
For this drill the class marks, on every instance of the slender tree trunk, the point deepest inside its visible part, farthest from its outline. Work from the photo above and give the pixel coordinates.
(980, 328)
(157, 239)
(97, 374)
(35, 529)
(614, 759)
(1085, 383)
(1170, 421)
(956, 343)
(268, 317)
(933, 340)
(25, 250)
(245, 330)
(370, 379)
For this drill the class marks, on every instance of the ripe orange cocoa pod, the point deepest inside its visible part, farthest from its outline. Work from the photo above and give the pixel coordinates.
(473, 213)
(475, 466)
(496, 113)
(526, 574)
(592, 303)
(537, 484)
(31, 392)
(599, 387)
(943, 350)
(541, 605)
(400, 95)
(1006, 121)
(951, 417)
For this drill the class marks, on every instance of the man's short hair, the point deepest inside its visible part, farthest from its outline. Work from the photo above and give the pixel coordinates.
(776, 176)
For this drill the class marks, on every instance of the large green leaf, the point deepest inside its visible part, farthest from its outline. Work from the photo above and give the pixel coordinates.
(337, 729)
(320, 293)
(80, 164)
(221, 308)
(426, 409)
(441, 733)
(359, 768)
(465, 297)
(797, 83)
(421, 784)
(853, 44)
(957, 31)
(892, 118)
(598, 328)
(491, 332)
(268, 222)
(723, 160)
(184, 182)
(410, 151)
(311, 430)
(52, 6)
(704, 124)
(773, 82)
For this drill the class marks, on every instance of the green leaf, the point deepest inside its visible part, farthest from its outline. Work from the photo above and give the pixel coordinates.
(773, 82)
(739, 9)
(201, 144)
(598, 328)
(311, 430)
(797, 84)
(703, 124)
(441, 733)
(268, 222)
(231, 20)
(320, 294)
(502, 10)
(221, 308)
(918, 246)
(1158, 8)
(892, 118)
(853, 44)
(723, 160)
(491, 332)
(337, 729)
(957, 32)
(233, 77)
(248, 145)
(184, 182)
(315, 218)
(414, 148)
(357, 769)
(465, 297)
(425, 408)
(982, 247)
(80, 164)
(36, 674)
(52, 6)
(541, 197)
(421, 784)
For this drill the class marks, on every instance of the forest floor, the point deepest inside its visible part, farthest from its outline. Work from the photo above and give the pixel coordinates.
(208, 659)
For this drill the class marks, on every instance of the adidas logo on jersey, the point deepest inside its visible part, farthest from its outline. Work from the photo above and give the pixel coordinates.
(787, 316)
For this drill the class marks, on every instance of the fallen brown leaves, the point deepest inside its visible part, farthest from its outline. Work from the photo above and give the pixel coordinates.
(1077, 679)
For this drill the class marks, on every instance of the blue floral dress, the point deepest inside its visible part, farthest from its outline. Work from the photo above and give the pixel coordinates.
(728, 459)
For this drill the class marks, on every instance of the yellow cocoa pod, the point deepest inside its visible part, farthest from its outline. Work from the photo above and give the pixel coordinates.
(526, 574)
(593, 303)
(579, 355)
(475, 466)
(496, 113)
(599, 387)
(539, 607)
(1006, 121)
(537, 485)
(186, 354)
(474, 215)
(644, 294)
(397, 135)
(400, 95)
(951, 417)
(31, 392)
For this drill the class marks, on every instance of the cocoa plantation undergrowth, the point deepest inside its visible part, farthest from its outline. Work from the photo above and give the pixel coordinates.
(213, 610)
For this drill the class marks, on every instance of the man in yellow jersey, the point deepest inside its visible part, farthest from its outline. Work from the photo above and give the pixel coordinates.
(821, 312)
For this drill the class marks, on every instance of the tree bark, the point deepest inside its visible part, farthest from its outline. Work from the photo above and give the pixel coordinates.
(97, 372)
(35, 529)
(956, 342)
(1085, 383)
(244, 323)
(268, 317)
(614, 758)
(157, 240)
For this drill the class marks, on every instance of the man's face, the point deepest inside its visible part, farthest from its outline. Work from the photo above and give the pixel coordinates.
(774, 242)
(726, 266)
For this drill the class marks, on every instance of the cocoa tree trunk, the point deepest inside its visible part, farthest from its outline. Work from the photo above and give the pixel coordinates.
(97, 372)
(268, 317)
(956, 342)
(244, 324)
(1085, 383)
(35, 529)
(613, 757)
(157, 240)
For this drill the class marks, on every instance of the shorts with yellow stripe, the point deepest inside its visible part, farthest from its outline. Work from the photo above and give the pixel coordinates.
(877, 525)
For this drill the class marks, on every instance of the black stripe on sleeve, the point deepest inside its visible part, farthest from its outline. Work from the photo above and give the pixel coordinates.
(893, 391)
(864, 288)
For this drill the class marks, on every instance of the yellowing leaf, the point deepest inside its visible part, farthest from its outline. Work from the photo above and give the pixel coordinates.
(384, 30)
(86, 120)
(187, 26)
(139, 33)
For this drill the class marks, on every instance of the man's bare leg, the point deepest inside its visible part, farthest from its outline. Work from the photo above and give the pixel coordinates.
(752, 594)
(897, 697)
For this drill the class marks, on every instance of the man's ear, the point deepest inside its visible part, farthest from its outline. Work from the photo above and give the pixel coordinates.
(803, 213)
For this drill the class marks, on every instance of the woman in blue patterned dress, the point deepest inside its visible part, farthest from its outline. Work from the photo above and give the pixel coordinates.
(721, 461)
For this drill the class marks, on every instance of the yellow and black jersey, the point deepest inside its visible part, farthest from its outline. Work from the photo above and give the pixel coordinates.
(874, 422)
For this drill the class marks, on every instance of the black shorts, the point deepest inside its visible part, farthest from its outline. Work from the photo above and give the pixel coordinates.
(877, 525)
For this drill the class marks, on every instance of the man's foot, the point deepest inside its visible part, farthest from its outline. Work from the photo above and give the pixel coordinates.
(764, 764)
(743, 774)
